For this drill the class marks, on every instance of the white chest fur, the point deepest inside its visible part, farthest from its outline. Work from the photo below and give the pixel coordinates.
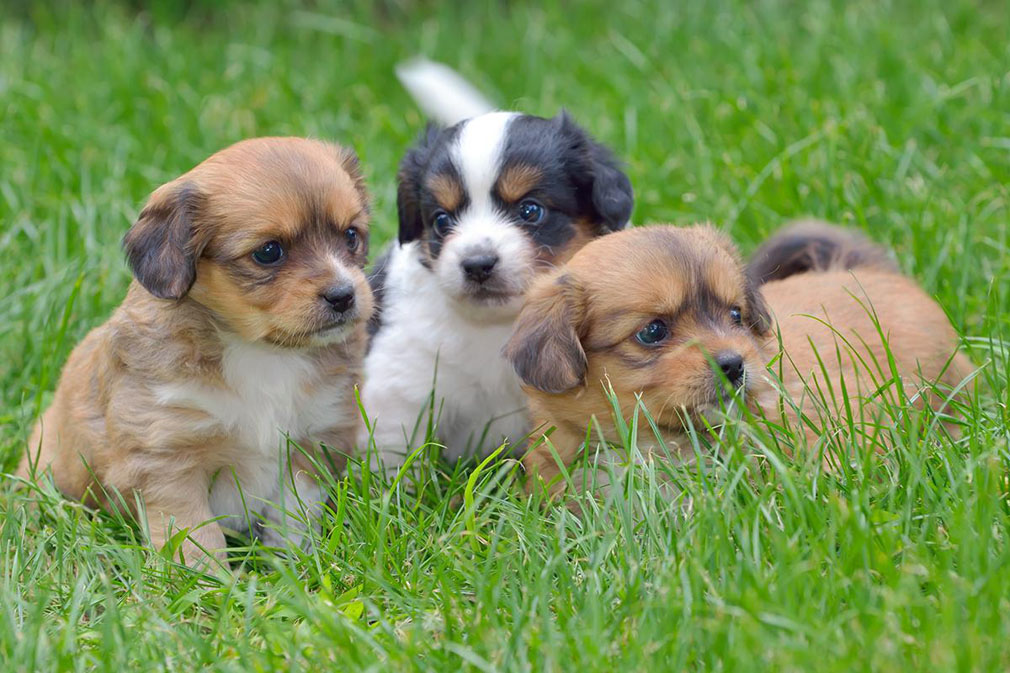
(269, 394)
(476, 391)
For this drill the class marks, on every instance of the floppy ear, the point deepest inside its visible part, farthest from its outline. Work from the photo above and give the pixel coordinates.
(611, 196)
(544, 348)
(408, 185)
(160, 246)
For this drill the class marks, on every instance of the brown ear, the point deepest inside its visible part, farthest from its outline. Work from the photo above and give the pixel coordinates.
(544, 349)
(160, 246)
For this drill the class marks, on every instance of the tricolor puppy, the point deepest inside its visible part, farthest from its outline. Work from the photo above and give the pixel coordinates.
(246, 325)
(672, 315)
(485, 207)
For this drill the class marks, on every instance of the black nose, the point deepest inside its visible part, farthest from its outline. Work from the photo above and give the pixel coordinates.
(340, 297)
(479, 267)
(731, 364)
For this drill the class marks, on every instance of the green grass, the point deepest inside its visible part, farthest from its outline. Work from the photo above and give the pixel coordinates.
(890, 116)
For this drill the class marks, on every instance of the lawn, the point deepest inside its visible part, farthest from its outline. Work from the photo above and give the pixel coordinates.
(893, 117)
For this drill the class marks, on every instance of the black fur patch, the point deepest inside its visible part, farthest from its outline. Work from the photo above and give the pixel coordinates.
(580, 180)
(429, 156)
(812, 246)
(597, 173)
(535, 142)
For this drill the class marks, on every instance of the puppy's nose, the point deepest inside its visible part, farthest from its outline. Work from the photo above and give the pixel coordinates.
(339, 297)
(731, 364)
(479, 267)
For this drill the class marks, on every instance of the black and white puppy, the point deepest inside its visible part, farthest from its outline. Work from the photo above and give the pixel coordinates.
(485, 206)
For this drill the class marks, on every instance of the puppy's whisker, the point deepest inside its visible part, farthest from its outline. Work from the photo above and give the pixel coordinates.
(670, 399)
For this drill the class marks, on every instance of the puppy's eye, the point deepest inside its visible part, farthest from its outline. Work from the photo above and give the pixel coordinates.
(352, 239)
(736, 315)
(531, 212)
(269, 253)
(653, 333)
(442, 222)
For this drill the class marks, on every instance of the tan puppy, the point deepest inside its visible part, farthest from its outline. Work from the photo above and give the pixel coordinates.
(672, 315)
(245, 324)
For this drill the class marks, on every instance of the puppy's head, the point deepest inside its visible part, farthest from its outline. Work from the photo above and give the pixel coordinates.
(664, 312)
(269, 234)
(495, 200)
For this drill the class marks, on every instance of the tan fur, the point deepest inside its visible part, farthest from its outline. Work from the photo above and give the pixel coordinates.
(517, 180)
(585, 231)
(108, 430)
(576, 335)
(836, 315)
(448, 192)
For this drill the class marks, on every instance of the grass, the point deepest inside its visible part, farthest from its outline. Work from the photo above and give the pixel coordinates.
(890, 116)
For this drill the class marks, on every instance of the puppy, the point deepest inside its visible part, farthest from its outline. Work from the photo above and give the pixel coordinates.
(245, 325)
(485, 207)
(671, 315)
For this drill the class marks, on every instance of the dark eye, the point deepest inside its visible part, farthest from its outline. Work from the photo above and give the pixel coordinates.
(442, 222)
(653, 333)
(353, 239)
(736, 316)
(531, 212)
(269, 253)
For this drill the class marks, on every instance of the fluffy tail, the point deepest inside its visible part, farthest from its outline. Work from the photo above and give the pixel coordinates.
(811, 246)
(441, 92)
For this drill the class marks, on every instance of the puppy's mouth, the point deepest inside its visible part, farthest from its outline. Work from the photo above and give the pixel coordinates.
(333, 326)
(723, 399)
(331, 331)
(489, 295)
(494, 291)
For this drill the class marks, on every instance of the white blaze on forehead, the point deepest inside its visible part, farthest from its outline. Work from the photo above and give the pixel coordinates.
(482, 228)
(477, 156)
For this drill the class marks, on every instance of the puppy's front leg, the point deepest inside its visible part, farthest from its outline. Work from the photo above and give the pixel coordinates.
(298, 507)
(399, 425)
(186, 508)
(543, 469)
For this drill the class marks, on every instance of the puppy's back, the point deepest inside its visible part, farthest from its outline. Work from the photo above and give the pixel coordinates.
(813, 246)
(844, 313)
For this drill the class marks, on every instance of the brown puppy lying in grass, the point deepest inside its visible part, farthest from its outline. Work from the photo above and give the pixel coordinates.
(671, 316)
(245, 325)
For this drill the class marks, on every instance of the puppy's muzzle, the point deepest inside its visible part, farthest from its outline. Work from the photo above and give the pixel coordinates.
(479, 267)
(730, 363)
(340, 299)
(730, 380)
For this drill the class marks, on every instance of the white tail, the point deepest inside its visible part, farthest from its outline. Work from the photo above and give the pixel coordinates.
(441, 92)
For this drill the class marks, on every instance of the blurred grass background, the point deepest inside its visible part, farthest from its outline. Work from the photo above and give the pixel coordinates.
(892, 116)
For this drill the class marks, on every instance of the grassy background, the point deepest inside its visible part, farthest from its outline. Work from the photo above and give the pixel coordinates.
(890, 116)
